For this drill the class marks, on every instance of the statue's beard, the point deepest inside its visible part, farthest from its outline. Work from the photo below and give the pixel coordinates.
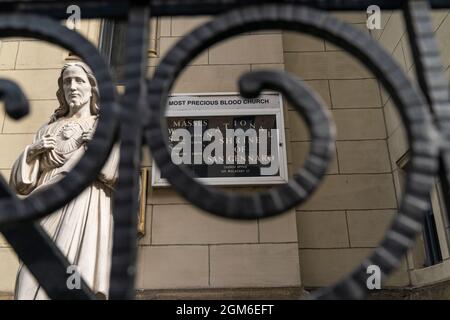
(77, 105)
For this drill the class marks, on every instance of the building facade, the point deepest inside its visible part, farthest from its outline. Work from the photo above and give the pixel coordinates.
(189, 253)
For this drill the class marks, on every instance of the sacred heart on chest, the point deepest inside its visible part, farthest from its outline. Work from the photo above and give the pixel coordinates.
(69, 137)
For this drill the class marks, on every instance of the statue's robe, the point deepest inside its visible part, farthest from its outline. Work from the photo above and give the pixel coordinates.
(83, 228)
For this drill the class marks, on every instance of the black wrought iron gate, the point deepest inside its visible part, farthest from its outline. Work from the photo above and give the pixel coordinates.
(137, 117)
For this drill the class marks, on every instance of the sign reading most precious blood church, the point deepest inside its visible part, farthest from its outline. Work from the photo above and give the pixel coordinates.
(225, 139)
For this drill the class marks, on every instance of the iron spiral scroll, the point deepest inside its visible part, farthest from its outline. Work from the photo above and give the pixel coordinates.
(425, 112)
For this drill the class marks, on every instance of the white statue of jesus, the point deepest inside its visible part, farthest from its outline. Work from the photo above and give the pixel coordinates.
(82, 229)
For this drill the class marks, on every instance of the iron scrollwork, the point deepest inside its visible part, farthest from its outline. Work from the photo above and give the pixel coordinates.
(424, 113)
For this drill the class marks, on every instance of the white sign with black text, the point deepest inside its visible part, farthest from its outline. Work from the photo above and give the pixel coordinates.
(225, 139)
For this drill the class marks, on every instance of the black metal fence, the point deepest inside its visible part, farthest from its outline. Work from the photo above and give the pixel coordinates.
(137, 117)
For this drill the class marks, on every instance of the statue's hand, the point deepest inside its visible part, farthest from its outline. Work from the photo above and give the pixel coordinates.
(47, 142)
(88, 135)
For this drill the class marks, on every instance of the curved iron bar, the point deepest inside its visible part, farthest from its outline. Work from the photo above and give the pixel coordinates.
(123, 262)
(432, 80)
(411, 104)
(118, 9)
(16, 104)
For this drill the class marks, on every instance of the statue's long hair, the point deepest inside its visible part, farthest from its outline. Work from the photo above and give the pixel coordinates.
(64, 108)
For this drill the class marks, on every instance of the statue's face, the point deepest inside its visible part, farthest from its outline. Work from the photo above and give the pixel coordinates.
(76, 86)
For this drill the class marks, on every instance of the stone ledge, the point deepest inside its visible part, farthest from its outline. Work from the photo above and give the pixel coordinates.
(285, 293)
(6, 296)
(437, 291)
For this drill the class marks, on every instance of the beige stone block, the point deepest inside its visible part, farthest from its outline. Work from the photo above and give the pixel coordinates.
(359, 124)
(166, 43)
(3, 242)
(94, 31)
(376, 33)
(183, 25)
(438, 16)
(393, 31)
(147, 238)
(362, 93)
(413, 75)
(323, 267)
(281, 228)
(322, 88)
(139, 283)
(444, 41)
(39, 55)
(398, 145)
(399, 57)
(297, 42)
(300, 151)
(288, 146)
(346, 192)
(322, 229)
(407, 52)
(8, 54)
(441, 222)
(184, 224)
(2, 113)
(325, 65)
(385, 16)
(392, 116)
(175, 267)
(367, 228)
(40, 112)
(384, 95)
(248, 49)
(290, 171)
(5, 173)
(398, 176)
(268, 31)
(165, 26)
(370, 156)
(13, 39)
(147, 160)
(351, 17)
(37, 84)
(258, 265)
(210, 79)
(15, 144)
(83, 28)
(268, 66)
(399, 278)
(90, 29)
(297, 126)
(9, 265)
(360, 26)
(319, 87)
(150, 72)
(164, 196)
